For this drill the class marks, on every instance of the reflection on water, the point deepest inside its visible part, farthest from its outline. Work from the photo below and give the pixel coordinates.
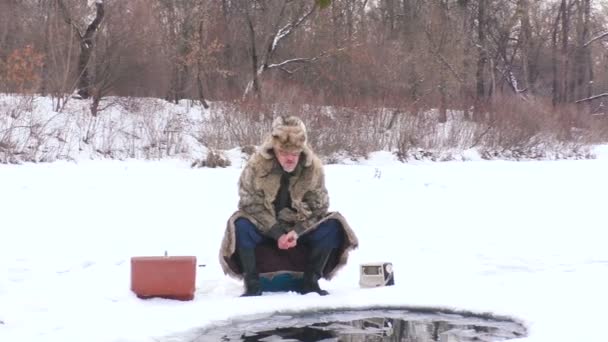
(367, 326)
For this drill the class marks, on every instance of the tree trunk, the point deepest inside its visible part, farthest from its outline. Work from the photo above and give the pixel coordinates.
(411, 44)
(584, 71)
(84, 82)
(465, 90)
(182, 69)
(255, 82)
(389, 18)
(349, 21)
(87, 43)
(589, 64)
(199, 70)
(335, 22)
(564, 8)
(228, 49)
(44, 85)
(442, 28)
(481, 61)
(555, 63)
(525, 39)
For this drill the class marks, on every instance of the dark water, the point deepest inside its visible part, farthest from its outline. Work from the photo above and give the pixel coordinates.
(365, 325)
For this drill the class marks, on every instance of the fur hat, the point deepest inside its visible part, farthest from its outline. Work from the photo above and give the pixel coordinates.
(288, 134)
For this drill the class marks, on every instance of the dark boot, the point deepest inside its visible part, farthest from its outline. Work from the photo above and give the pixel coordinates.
(314, 271)
(252, 278)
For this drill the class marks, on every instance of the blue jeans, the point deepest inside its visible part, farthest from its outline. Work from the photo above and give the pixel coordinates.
(329, 234)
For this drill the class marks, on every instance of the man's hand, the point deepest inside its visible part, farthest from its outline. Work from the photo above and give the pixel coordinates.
(288, 240)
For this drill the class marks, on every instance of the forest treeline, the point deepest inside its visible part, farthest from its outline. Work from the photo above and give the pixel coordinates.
(504, 63)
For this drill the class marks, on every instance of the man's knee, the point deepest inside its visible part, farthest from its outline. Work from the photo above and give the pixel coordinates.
(328, 234)
(243, 225)
(247, 235)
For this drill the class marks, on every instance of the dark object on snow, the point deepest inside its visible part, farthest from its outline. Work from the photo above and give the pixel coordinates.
(171, 277)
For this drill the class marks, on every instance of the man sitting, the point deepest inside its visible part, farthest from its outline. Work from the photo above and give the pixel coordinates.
(282, 225)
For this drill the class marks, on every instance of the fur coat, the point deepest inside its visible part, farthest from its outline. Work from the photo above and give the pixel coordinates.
(258, 187)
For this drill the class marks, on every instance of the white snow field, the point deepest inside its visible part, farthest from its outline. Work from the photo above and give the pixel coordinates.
(521, 239)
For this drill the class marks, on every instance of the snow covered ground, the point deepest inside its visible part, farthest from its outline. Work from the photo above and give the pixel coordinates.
(522, 239)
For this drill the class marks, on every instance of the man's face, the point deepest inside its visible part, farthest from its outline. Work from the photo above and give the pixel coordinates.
(288, 160)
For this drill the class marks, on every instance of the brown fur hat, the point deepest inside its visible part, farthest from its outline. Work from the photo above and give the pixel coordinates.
(288, 134)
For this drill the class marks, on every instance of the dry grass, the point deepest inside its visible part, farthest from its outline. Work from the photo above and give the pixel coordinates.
(512, 129)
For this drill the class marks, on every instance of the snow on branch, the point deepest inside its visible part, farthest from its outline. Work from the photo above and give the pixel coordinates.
(289, 28)
(296, 60)
(249, 86)
(591, 98)
(292, 61)
(289, 61)
(284, 31)
(601, 36)
(278, 34)
(284, 63)
(514, 83)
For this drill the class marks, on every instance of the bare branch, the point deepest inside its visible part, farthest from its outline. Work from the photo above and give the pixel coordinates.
(601, 36)
(282, 64)
(293, 60)
(275, 39)
(448, 66)
(276, 33)
(435, 50)
(92, 28)
(591, 98)
(289, 61)
(480, 136)
(290, 72)
(512, 80)
(67, 18)
(288, 29)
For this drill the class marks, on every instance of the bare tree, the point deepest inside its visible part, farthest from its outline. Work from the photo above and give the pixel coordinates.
(409, 55)
(179, 21)
(482, 59)
(583, 73)
(437, 35)
(464, 14)
(525, 40)
(87, 44)
(285, 19)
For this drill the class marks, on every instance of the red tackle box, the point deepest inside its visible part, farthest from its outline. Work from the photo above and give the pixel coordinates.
(170, 277)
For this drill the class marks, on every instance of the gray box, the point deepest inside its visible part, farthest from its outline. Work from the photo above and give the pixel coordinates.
(376, 274)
